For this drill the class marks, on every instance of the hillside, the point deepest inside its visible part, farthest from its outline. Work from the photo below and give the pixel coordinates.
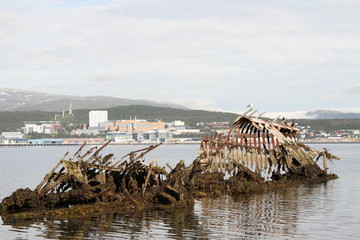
(20, 100)
(329, 114)
(166, 114)
(13, 121)
(330, 124)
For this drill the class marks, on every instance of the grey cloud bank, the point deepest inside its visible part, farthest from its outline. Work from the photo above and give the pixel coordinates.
(281, 55)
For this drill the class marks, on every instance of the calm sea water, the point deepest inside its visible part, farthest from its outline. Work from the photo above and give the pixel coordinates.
(318, 211)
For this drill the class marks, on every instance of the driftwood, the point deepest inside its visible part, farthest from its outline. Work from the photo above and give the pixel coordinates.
(90, 178)
(255, 155)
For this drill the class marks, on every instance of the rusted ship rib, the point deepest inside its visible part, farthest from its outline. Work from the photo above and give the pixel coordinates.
(255, 155)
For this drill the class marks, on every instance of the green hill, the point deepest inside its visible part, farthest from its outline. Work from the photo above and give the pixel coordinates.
(330, 124)
(166, 114)
(13, 121)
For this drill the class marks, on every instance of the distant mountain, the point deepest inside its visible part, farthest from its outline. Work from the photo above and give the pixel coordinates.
(329, 114)
(20, 100)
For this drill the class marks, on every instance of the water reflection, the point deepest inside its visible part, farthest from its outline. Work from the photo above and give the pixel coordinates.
(151, 224)
(276, 214)
(319, 211)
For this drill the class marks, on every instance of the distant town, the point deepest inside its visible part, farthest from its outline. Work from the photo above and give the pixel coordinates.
(99, 129)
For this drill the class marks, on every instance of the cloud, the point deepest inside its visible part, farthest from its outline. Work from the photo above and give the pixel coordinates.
(287, 115)
(263, 51)
(118, 31)
(105, 78)
(331, 97)
(353, 89)
(204, 104)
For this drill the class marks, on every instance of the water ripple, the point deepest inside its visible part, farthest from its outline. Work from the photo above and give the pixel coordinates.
(317, 211)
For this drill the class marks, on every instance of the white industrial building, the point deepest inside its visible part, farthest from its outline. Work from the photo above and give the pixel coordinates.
(96, 117)
(44, 127)
(12, 134)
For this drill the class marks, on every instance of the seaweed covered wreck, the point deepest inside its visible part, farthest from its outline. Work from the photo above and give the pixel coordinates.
(255, 155)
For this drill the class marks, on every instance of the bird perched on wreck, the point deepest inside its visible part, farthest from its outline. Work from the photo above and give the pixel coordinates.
(250, 105)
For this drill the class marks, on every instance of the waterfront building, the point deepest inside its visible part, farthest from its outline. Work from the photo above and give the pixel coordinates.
(150, 135)
(96, 117)
(178, 123)
(89, 131)
(186, 131)
(46, 141)
(83, 140)
(156, 135)
(104, 126)
(11, 135)
(135, 126)
(119, 137)
(164, 134)
(14, 141)
(45, 127)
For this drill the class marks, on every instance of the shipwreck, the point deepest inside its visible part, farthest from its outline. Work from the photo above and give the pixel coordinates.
(255, 155)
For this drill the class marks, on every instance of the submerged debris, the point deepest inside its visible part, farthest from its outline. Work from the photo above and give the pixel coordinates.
(90, 177)
(255, 155)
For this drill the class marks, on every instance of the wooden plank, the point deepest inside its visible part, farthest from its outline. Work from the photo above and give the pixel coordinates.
(47, 176)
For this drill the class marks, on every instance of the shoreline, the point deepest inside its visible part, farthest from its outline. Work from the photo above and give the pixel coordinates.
(330, 142)
(152, 143)
(90, 143)
(147, 144)
(324, 140)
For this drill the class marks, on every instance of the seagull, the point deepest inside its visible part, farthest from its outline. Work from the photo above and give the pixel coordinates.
(250, 105)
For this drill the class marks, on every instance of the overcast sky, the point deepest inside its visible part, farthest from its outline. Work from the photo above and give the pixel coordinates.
(281, 55)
